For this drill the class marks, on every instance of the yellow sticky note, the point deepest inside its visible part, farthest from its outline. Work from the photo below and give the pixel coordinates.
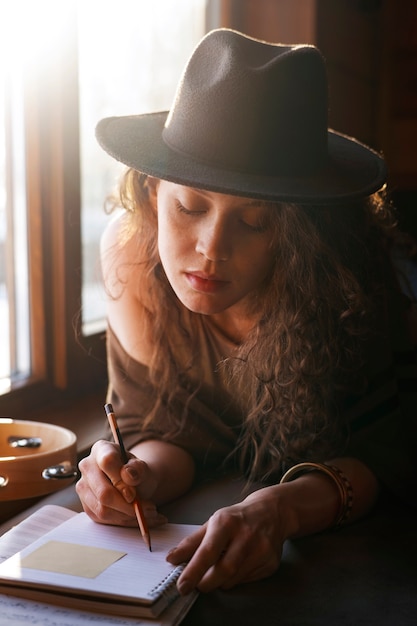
(71, 558)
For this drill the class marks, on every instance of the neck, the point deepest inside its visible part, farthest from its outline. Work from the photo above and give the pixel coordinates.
(234, 327)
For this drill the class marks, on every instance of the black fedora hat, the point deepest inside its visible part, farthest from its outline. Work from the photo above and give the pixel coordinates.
(249, 118)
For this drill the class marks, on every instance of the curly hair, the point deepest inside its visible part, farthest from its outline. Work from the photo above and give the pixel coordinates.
(317, 310)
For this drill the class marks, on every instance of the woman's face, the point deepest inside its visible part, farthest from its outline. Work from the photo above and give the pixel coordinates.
(215, 248)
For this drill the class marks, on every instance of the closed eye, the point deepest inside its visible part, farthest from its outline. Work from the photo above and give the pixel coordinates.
(181, 208)
(252, 223)
(256, 228)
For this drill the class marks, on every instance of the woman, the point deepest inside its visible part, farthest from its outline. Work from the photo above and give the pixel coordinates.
(255, 323)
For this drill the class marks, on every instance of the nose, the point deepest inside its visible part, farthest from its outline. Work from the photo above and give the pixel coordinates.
(214, 241)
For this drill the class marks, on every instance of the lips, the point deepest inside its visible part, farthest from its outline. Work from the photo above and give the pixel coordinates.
(207, 283)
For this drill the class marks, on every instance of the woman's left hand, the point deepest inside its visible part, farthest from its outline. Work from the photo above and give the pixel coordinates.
(239, 543)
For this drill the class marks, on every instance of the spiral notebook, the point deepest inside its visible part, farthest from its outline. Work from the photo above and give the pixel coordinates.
(98, 568)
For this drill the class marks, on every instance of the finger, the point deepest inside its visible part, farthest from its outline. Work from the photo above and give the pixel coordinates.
(136, 473)
(108, 461)
(187, 547)
(107, 456)
(201, 565)
(224, 566)
(105, 495)
(222, 562)
(106, 511)
(113, 509)
(98, 493)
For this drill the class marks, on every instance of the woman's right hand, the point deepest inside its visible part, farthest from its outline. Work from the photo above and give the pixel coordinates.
(107, 488)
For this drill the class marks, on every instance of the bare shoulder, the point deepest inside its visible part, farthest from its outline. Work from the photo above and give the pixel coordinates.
(119, 255)
(126, 289)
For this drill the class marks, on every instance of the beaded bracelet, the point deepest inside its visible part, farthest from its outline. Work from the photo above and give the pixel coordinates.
(339, 479)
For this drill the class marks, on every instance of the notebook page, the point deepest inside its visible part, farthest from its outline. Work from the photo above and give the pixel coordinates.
(33, 527)
(134, 575)
(19, 612)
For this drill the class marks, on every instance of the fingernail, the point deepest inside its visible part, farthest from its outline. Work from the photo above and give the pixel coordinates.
(184, 587)
(132, 472)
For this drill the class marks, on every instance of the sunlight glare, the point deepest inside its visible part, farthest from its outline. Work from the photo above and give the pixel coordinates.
(31, 32)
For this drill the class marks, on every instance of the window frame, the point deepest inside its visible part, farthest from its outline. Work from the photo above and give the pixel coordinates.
(64, 362)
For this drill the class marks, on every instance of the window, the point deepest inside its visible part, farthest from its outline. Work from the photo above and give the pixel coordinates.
(14, 303)
(133, 67)
(63, 67)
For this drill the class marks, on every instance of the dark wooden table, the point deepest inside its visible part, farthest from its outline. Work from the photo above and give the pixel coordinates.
(362, 575)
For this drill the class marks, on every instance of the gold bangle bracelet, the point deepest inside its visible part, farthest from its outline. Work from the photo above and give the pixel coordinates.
(340, 480)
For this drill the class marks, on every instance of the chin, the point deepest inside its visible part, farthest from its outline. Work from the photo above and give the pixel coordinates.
(202, 308)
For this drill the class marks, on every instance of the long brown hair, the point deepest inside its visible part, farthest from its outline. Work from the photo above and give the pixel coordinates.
(315, 315)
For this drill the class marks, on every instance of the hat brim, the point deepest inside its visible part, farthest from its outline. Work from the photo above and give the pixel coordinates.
(352, 171)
